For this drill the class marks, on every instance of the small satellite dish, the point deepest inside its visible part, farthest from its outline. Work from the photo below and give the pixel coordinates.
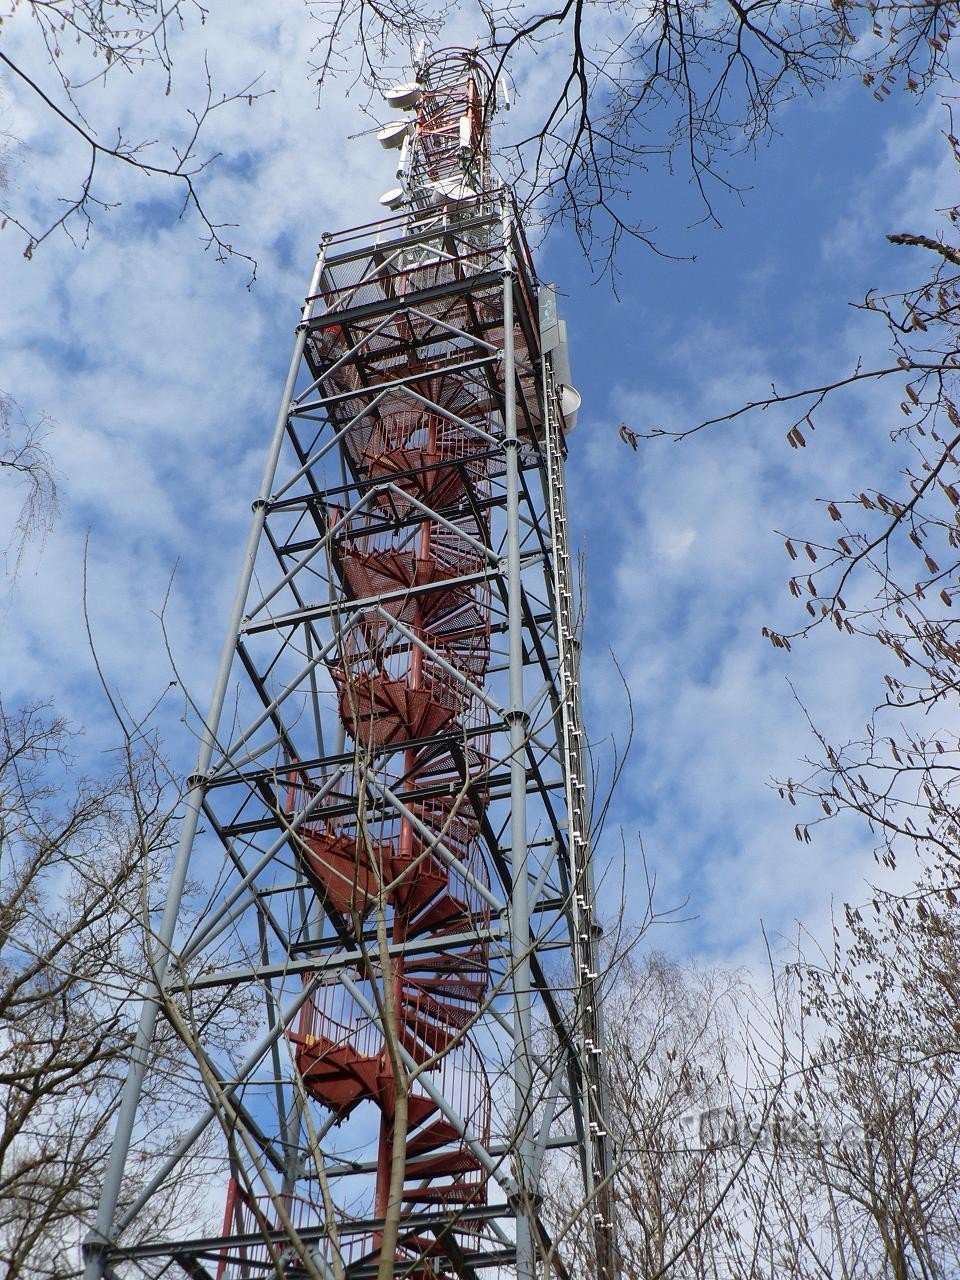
(403, 97)
(392, 134)
(393, 198)
(570, 402)
(451, 191)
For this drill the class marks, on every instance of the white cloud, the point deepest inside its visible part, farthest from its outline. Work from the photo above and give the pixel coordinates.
(162, 373)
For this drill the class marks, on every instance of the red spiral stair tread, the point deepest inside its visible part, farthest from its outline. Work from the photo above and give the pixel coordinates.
(451, 817)
(462, 989)
(373, 573)
(443, 1164)
(425, 474)
(472, 961)
(419, 1107)
(451, 1015)
(335, 1074)
(455, 1193)
(439, 1134)
(446, 913)
(421, 881)
(378, 711)
(342, 866)
(434, 1035)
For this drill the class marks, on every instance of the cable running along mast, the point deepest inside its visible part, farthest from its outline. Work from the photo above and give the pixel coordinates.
(393, 774)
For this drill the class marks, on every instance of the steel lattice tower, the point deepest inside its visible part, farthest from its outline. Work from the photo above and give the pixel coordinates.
(393, 773)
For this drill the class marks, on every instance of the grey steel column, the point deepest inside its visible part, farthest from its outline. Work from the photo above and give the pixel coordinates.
(519, 722)
(100, 1235)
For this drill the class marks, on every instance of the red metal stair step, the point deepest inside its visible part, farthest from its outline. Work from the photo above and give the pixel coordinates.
(446, 912)
(451, 1015)
(472, 961)
(379, 711)
(419, 1107)
(436, 480)
(370, 573)
(420, 884)
(422, 1034)
(455, 988)
(342, 868)
(336, 1075)
(423, 1021)
(438, 1134)
(452, 1193)
(443, 1163)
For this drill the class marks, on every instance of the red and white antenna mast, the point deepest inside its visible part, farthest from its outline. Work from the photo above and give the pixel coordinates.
(396, 804)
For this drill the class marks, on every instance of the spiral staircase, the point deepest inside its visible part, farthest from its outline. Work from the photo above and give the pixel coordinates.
(406, 676)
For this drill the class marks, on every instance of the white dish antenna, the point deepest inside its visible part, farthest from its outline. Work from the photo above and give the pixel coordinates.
(393, 198)
(403, 97)
(451, 191)
(570, 402)
(393, 134)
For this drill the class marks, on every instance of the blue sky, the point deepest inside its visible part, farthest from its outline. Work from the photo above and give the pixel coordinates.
(161, 372)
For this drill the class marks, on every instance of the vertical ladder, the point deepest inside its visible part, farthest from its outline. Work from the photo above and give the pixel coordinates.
(586, 930)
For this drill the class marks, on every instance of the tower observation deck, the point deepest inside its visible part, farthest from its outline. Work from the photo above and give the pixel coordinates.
(390, 810)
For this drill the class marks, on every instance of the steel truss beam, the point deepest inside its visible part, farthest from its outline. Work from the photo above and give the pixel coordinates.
(397, 798)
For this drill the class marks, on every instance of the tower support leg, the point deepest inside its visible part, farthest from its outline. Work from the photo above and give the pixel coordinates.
(519, 722)
(102, 1233)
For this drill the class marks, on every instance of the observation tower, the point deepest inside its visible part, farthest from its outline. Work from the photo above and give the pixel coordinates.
(390, 812)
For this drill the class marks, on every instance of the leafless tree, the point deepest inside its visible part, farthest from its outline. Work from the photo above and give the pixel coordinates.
(77, 44)
(27, 467)
(894, 557)
(812, 1132)
(867, 1185)
(882, 1076)
(79, 860)
(673, 84)
(696, 1069)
